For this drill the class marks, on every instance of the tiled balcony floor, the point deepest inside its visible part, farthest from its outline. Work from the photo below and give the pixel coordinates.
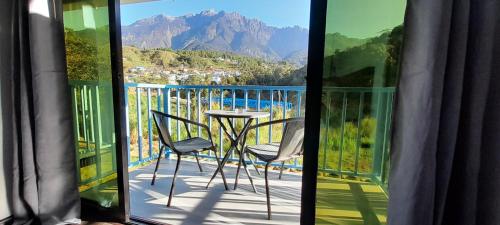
(339, 201)
(193, 204)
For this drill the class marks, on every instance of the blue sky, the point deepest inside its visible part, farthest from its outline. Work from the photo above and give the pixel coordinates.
(279, 13)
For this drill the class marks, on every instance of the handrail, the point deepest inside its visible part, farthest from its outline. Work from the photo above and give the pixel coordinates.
(225, 87)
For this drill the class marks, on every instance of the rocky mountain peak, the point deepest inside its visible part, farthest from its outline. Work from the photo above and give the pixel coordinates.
(219, 31)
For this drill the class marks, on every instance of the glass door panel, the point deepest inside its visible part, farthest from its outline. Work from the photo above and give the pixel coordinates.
(362, 45)
(86, 26)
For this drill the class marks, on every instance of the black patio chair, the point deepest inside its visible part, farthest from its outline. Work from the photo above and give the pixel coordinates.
(288, 148)
(189, 146)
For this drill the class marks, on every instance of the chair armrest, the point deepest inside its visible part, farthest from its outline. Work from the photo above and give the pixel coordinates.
(268, 123)
(187, 121)
(275, 122)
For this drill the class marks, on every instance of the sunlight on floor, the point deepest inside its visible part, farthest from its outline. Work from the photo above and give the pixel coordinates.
(346, 202)
(341, 202)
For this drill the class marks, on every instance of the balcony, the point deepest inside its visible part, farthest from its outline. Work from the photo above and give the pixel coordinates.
(352, 158)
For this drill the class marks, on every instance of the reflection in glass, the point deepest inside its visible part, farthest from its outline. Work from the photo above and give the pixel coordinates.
(86, 26)
(363, 40)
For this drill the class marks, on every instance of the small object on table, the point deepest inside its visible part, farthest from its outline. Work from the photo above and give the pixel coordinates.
(235, 137)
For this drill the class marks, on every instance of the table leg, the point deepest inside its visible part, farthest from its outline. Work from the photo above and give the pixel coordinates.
(242, 160)
(223, 163)
(234, 145)
(238, 171)
(249, 176)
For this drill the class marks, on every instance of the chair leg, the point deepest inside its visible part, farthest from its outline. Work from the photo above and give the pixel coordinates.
(267, 193)
(281, 170)
(198, 161)
(219, 165)
(173, 180)
(157, 165)
(254, 164)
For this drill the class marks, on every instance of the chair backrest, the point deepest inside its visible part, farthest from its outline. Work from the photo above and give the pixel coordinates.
(161, 120)
(292, 140)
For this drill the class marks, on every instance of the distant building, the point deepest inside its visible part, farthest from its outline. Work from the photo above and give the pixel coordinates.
(172, 80)
(216, 79)
(136, 69)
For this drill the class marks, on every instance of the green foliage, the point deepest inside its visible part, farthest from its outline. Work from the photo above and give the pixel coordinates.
(86, 58)
(358, 63)
(80, 56)
(335, 143)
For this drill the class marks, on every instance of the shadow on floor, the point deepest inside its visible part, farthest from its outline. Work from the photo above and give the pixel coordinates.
(341, 202)
(345, 202)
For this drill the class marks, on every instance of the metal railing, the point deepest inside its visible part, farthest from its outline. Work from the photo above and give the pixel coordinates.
(355, 131)
(354, 136)
(190, 101)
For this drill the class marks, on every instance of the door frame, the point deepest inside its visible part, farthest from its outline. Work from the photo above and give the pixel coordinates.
(119, 106)
(314, 86)
(89, 209)
(317, 26)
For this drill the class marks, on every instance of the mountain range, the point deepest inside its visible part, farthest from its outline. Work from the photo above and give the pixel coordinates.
(219, 31)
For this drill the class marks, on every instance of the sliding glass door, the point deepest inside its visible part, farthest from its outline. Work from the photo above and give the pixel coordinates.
(360, 71)
(93, 79)
(362, 42)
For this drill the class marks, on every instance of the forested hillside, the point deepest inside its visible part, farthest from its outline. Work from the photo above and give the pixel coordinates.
(354, 60)
(201, 66)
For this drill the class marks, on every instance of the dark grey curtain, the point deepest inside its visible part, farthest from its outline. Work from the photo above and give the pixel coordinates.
(445, 160)
(36, 113)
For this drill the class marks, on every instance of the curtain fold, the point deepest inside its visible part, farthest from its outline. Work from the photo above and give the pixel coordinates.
(36, 114)
(445, 157)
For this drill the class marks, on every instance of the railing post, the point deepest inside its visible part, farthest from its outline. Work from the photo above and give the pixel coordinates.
(139, 122)
(270, 134)
(342, 131)
(178, 109)
(198, 112)
(94, 108)
(387, 128)
(166, 109)
(188, 103)
(91, 114)
(233, 107)
(257, 136)
(285, 102)
(83, 99)
(297, 114)
(299, 102)
(358, 133)
(210, 118)
(221, 139)
(379, 135)
(76, 132)
(158, 107)
(127, 124)
(246, 99)
(150, 129)
(327, 129)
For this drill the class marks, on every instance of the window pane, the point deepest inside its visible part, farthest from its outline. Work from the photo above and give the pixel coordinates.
(86, 26)
(363, 41)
